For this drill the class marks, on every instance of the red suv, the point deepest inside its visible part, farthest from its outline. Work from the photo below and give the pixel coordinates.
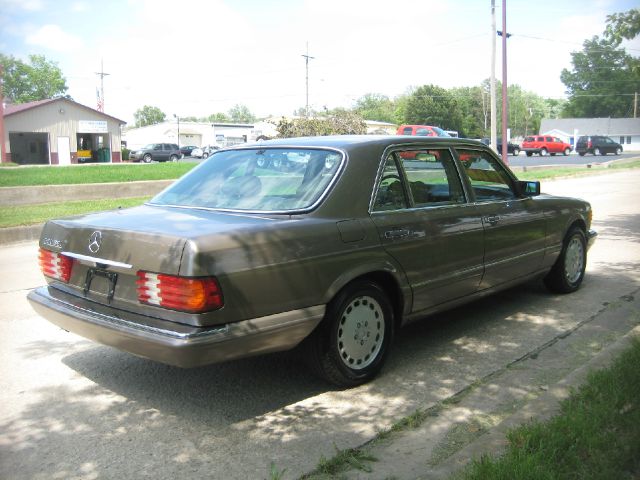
(544, 144)
(422, 130)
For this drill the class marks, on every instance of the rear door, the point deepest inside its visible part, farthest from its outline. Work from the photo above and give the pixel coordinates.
(426, 224)
(514, 226)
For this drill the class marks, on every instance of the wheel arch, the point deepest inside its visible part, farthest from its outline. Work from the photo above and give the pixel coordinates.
(390, 280)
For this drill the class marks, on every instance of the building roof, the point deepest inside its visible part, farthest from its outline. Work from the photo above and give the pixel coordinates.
(13, 109)
(592, 126)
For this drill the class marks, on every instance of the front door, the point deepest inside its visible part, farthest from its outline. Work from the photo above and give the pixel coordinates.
(514, 226)
(64, 151)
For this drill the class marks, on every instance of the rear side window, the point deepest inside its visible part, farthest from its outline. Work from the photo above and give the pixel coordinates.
(406, 131)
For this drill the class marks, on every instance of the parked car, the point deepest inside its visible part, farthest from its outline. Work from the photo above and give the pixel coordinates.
(422, 131)
(205, 151)
(545, 144)
(512, 148)
(197, 152)
(160, 152)
(186, 150)
(367, 235)
(597, 145)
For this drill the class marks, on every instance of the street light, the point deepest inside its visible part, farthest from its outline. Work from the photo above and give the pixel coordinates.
(178, 119)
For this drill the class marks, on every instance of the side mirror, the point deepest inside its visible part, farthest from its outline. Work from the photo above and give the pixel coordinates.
(530, 189)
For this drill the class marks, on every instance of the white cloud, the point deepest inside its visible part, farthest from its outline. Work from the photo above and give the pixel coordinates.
(53, 37)
(28, 5)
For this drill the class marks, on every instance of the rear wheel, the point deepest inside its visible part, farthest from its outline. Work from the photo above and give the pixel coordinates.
(597, 151)
(516, 152)
(581, 153)
(529, 154)
(568, 271)
(351, 344)
(567, 151)
(173, 158)
(543, 152)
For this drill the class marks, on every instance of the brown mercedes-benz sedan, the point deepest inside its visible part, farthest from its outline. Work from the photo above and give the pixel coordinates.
(331, 241)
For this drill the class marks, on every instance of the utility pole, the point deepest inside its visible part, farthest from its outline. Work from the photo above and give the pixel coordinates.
(102, 74)
(635, 105)
(306, 60)
(493, 76)
(2, 143)
(505, 105)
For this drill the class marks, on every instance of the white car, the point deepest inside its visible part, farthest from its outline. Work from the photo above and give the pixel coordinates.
(197, 152)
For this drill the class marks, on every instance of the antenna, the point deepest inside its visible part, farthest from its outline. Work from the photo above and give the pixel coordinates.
(102, 74)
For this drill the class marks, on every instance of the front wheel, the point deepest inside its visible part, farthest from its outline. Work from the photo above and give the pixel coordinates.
(529, 154)
(351, 344)
(173, 158)
(618, 151)
(543, 152)
(596, 151)
(567, 151)
(147, 158)
(516, 152)
(568, 271)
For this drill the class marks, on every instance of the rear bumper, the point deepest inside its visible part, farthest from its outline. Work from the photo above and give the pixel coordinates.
(174, 343)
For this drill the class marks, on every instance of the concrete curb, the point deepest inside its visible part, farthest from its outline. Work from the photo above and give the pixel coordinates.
(20, 234)
(89, 191)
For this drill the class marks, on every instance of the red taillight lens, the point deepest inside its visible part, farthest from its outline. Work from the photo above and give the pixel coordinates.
(589, 144)
(55, 265)
(193, 295)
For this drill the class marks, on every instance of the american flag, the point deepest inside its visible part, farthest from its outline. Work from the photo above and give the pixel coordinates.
(100, 101)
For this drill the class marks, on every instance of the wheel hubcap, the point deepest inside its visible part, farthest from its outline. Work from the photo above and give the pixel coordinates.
(361, 332)
(574, 260)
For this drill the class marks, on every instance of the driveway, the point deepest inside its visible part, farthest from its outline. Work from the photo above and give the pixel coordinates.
(72, 409)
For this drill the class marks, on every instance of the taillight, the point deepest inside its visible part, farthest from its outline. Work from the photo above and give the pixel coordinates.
(193, 295)
(589, 144)
(55, 265)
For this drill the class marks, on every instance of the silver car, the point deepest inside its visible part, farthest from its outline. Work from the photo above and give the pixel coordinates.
(365, 234)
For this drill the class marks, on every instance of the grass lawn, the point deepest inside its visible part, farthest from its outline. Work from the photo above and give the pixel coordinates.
(91, 173)
(596, 435)
(14, 216)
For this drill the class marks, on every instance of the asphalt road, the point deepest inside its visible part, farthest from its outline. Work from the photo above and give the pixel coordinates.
(573, 159)
(76, 410)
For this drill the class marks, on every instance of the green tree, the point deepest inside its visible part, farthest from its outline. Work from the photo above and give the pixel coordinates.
(602, 80)
(623, 26)
(148, 115)
(433, 105)
(37, 80)
(374, 106)
(339, 122)
(241, 114)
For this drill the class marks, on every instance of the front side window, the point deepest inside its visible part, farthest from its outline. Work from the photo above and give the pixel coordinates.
(489, 180)
(256, 179)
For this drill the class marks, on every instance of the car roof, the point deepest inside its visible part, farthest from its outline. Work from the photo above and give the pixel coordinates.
(346, 142)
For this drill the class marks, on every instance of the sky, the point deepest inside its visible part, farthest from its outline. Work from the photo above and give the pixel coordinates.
(198, 57)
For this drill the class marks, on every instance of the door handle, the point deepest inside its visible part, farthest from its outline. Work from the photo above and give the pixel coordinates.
(397, 233)
(492, 219)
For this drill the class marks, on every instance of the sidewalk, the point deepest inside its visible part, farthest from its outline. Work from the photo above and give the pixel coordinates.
(475, 421)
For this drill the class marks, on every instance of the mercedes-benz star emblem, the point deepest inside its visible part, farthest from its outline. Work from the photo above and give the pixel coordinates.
(94, 241)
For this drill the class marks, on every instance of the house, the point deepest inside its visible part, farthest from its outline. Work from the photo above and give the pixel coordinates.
(59, 131)
(625, 131)
(192, 133)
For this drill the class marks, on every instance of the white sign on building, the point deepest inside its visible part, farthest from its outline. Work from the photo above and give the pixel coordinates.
(92, 126)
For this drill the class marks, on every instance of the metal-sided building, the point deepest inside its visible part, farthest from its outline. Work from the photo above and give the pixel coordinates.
(60, 131)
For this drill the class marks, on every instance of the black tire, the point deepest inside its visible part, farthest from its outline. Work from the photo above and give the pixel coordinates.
(597, 151)
(543, 152)
(581, 153)
(567, 273)
(351, 344)
(173, 158)
(618, 151)
(529, 154)
(567, 151)
(147, 158)
(516, 152)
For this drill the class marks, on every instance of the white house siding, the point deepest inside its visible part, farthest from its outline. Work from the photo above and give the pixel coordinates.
(625, 131)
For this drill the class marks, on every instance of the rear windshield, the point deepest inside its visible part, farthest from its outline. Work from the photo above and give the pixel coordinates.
(256, 180)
